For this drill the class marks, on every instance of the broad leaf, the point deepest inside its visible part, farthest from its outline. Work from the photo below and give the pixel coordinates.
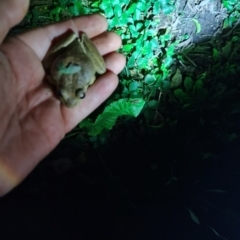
(108, 118)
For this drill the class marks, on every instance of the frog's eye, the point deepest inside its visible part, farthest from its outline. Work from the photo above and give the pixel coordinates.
(80, 93)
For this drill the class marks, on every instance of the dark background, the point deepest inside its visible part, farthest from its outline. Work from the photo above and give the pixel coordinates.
(127, 190)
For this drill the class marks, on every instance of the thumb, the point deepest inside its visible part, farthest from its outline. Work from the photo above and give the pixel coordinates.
(11, 13)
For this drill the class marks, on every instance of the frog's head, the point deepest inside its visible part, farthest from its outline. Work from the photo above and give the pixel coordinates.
(71, 96)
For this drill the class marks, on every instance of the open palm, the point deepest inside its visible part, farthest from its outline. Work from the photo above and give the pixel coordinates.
(33, 120)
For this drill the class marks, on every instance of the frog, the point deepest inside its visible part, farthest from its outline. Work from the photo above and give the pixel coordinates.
(71, 66)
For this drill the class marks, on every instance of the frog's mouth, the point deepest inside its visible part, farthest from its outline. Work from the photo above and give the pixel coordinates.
(69, 99)
(70, 103)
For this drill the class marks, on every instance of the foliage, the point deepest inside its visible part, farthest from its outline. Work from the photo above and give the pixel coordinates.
(233, 7)
(108, 118)
(157, 71)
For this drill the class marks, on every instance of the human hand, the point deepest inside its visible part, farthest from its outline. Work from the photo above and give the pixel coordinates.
(33, 121)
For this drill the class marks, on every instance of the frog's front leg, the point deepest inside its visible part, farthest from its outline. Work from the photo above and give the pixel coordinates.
(91, 50)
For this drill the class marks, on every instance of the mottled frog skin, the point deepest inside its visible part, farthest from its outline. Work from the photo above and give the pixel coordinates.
(71, 66)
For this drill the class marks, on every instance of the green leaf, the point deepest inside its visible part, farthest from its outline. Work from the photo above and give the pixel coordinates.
(217, 234)
(225, 23)
(166, 37)
(167, 9)
(142, 62)
(141, 6)
(95, 4)
(114, 22)
(193, 216)
(139, 26)
(78, 5)
(153, 91)
(131, 62)
(133, 86)
(188, 84)
(238, 6)
(118, 11)
(166, 85)
(215, 54)
(104, 5)
(133, 31)
(128, 47)
(231, 21)
(62, 2)
(228, 6)
(149, 79)
(129, 19)
(114, 2)
(53, 11)
(125, 93)
(176, 79)
(147, 50)
(75, 11)
(108, 118)
(167, 61)
(153, 104)
(227, 49)
(164, 2)
(235, 39)
(126, 2)
(123, 20)
(182, 96)
(154, 43)
(156, 7)
(109, 11)
(198, 84)
(137, 15)
(132, 8)
(197, 24)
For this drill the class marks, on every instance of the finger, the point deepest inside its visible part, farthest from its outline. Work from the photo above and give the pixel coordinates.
(11, 13)
(115, 62)
(95, 96)
(107, 42)
(40, 39)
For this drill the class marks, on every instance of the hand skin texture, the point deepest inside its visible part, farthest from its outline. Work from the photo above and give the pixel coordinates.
(33, 121)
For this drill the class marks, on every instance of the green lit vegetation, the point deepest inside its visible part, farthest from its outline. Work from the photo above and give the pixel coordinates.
(177, 61)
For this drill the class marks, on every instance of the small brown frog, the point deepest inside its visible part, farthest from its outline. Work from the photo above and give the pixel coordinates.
(71, 66)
